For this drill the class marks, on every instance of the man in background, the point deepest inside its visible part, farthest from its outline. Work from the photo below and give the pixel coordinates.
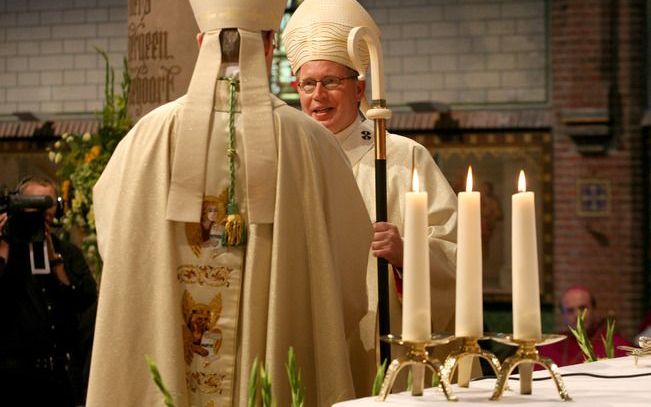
(42, 356)
(574, 300)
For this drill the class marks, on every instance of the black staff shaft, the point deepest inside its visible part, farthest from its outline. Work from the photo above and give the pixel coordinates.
(381, 216)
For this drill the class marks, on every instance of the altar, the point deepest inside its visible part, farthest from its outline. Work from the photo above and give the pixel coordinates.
(596, 384)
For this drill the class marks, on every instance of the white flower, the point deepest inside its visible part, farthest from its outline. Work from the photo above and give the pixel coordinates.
(57, 158)
(86, 136)
(51, 155)
(57, 144)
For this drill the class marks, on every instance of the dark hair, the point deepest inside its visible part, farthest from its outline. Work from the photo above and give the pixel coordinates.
(229, 38)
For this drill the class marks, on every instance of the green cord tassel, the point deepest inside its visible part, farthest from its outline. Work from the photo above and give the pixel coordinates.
(234, 228)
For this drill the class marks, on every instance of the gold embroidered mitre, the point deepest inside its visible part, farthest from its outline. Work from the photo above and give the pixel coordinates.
(318, 30)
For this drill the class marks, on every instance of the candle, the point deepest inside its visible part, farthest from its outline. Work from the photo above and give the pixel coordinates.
(524, 257)
(469, 318)
(416, 325)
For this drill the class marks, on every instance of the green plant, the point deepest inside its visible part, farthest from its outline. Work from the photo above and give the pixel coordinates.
(379, 378)
(155, 374)
(259, 379)
(608, 342)
(582, 337)
(253, 384)
(81, 158)
(295, 384)
(265, 388)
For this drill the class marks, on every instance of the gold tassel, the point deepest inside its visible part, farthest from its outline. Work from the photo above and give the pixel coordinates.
(234, 230)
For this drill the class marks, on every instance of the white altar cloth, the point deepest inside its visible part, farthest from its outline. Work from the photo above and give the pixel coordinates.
(585, 391)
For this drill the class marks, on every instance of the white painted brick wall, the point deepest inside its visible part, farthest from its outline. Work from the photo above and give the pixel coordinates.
(17, 64)
(28, 94)
(74, 16)
(72, 77)
(475, 52)
(47, 60)
(28, 106)
(28, 79)
(8, 80)
(51, 78)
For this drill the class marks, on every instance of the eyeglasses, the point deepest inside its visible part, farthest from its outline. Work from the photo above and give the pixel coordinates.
(329, 82)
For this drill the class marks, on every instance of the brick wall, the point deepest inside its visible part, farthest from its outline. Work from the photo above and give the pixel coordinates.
(471, 52)
(47, 59)
(477, 53)
(597, 50)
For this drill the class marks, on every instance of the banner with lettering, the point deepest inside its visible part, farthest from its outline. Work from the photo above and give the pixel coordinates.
(162, 52)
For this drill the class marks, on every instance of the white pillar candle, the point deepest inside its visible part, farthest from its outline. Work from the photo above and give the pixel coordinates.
(524, 256)
(469, 319)
(416, 325)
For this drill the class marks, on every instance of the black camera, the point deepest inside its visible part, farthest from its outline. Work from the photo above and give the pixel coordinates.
(26, 216)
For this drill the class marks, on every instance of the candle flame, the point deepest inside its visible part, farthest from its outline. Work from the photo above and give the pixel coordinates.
(469, 180)
(522, 182)
(415, 185)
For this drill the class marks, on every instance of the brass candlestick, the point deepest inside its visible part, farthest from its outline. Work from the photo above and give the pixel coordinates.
(526, 356)
(643, 350)
(418, 357)
(463, 360)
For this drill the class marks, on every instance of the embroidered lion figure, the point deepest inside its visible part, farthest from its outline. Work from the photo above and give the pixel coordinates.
(199, 319)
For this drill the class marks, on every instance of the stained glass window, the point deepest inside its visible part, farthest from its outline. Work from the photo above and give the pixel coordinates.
(282, 80)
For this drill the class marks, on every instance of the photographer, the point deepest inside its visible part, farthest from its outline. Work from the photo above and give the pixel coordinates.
(42, 354)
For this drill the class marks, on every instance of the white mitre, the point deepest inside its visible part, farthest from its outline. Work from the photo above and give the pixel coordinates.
(318, 30)
(251, 15)
(187, 184)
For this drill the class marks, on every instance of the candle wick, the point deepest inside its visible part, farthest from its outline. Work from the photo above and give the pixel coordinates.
(413, 159)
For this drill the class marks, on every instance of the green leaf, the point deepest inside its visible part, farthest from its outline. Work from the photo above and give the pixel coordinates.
(295, 383)
(265, 388)
(582, 338)
(155, 374)
(253, 384)
(379, 378)
(608, 342)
